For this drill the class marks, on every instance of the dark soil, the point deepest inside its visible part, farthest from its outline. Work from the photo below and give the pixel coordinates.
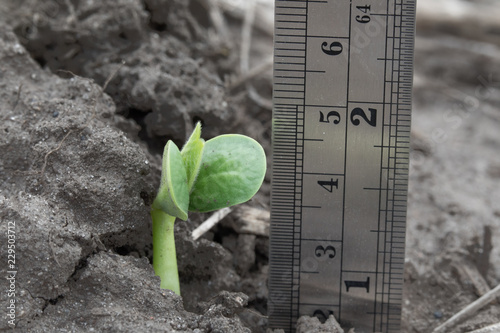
(90, 91)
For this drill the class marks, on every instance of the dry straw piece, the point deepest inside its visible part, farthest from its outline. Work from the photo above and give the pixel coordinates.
(470, 310)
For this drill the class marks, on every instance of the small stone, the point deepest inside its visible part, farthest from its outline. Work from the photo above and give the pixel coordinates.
(55, 114)
(438, 314)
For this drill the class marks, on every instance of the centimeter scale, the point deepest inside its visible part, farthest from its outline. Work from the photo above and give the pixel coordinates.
(341, 126)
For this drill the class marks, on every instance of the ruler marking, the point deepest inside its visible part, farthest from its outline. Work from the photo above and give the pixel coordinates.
(286, 192)
(291, 77)
(283, 110)
(389, 155)
(291, 84)
(392, 231)
(294, 64)
(290, 43)
(284, 163)
(320, 304)
(282, 205)
(291, 27)
(283, 216)
(285, 244)
(292, 35)
(287, 90)
(381, 313)
(293, 8)
(386, 14)
(323, 174)
(284, 131)
(372, 102)
(290, 14)
(287, 121)
(327, 37)
(327, 106)
(283, 145)
(288, 70)
(288, 49)
(345, 166)
(284, 178)
(308, 272)
(289, 103)
(288, 21)
(322, 240)
(284, 114)
(289, 97)
(380, 182)
(294, 316)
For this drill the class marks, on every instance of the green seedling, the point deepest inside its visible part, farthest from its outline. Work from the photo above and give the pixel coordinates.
(202, 177)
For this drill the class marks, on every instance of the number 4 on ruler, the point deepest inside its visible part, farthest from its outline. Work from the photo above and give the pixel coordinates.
(329, 184)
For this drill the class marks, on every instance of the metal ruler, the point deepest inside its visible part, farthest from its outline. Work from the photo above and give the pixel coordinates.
(341, 126)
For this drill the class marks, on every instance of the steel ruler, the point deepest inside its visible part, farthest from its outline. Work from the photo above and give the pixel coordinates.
(341, 126)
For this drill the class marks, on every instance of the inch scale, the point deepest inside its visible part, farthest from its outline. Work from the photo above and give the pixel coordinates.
(341, 128)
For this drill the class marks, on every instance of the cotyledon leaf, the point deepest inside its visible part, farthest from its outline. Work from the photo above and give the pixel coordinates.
(173, 195)
(232, 170)
(191, 155)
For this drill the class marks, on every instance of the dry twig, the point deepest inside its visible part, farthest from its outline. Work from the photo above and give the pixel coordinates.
(250, 74)
(264, 17)
(210, 222)
(469, 310)
(250, 220)
(112, 76)
(258, 99)
(217, 19)
(18, 97)
(246, 36)
(495, 328)
(469, 273)
(246, 41)
(46, 157)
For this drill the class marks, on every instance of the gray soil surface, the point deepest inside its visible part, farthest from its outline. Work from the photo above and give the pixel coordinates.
(90, 92)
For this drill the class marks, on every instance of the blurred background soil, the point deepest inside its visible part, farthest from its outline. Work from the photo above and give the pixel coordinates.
(90, 91)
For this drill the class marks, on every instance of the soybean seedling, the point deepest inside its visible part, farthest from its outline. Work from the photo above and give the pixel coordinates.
(202, 177)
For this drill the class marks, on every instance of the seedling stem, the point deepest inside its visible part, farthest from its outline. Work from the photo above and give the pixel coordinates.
(165, 261)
